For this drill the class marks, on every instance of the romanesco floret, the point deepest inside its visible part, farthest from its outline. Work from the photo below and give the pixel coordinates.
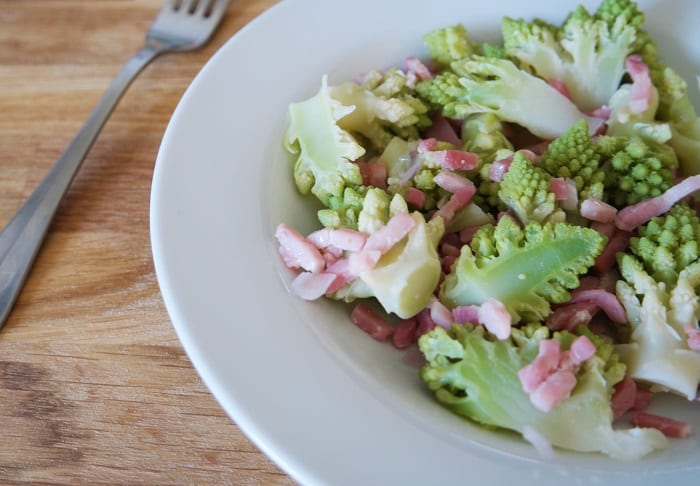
(624, 12)
(526, 269)
(342, 212)
(638, 172)
(325, 152)
(382, 109)
(480, 84)
(658, 352)
(475, 375)
(482, 134)
(667, 244)
(448, 44)
(525, 191)
(586, 53)
(574, 156)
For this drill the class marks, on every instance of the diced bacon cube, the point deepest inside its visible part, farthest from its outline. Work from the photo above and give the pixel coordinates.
(623, 397)
(372, 323)
(415, 197)
(672, 428)
(311, 286)
(597, 210)
(405, 333)
(297, 251)
(495, 318)
(556, 388)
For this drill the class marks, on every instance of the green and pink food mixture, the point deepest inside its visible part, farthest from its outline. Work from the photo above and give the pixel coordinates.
(523, 212)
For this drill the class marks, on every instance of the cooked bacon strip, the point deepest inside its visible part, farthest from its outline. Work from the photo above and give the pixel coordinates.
(372, 323)
(439, 313)
(442, 129)
(457, 159)
(547, 360)
(550, 378)
(467, 234)
(404, 333)
(693, 337)
(560, 86)
(642, 398)
(623, 397)
(602, 112)
(499, 168)
(342, 239)
(297, 251)
(463, 314)
(597, 210)
(632, 216)
(311, 286)
(559, 187)
(642, 89)
(554, 389)
(415, 197)
(458, 200)
(569, 316)
(619, 241)
(607, 301)
(374, 173)
(427, 144)
(390, 234)
(495, 318)
(425, 322)
(414, 65)
(453, 182)
(672, 428)
(581, 349)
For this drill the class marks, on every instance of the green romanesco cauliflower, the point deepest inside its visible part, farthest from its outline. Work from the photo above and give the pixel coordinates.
(685, 129)
(486, 84)
(325, 152)
(526, 269)
(658, 352)
(449, 44)
(639, 171)
(525, 191)
(475, 375)
(482, 134)
(586, 53)
(382, 109)
(667, 244)
(343, 211)
(573, 156)
(624, 12)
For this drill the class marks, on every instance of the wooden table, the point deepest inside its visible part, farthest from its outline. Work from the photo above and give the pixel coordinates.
(95, 385)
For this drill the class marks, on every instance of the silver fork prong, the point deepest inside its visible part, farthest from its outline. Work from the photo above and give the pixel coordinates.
(204, 8)
(188, 6)
(172, 5)
(216, 9)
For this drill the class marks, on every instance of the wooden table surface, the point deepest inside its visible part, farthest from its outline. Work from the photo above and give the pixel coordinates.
(95, 385)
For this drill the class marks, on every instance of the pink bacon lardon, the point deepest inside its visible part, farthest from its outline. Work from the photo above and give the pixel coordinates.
(550, 378)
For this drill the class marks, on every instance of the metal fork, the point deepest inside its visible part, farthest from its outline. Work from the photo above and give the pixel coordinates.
(181, 25)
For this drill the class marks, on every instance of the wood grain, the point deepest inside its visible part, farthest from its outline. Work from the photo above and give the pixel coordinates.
(96, 387)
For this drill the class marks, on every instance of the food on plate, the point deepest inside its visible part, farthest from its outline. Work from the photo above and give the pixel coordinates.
(523, 213)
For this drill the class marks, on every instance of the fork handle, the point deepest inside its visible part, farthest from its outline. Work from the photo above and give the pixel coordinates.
(22, 237)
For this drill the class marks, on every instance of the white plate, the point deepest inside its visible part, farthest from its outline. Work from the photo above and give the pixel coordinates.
(323, 400)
